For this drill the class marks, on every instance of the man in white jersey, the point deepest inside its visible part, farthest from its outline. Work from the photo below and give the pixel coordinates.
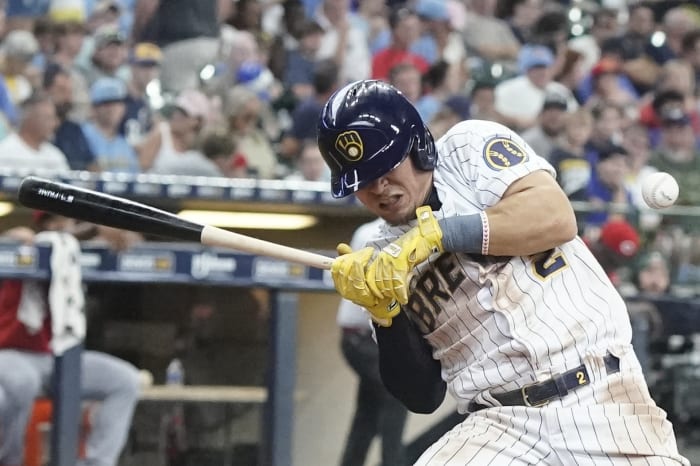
(480, 286)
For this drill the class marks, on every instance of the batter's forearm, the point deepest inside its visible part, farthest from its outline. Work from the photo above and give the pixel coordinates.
(407, 366)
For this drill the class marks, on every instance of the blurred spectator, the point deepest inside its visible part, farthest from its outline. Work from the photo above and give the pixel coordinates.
(634, 45)
(305, 115)
(521, 16)
(69, 40)
(653, 274)
(407, 78)
(549, 130)
(571, 73)
(286, 39)
(690, 51)
(608, 123)
(69, 136)
(145, 62)
(569, 158)
(606, 86)
(373, 19)
(309, 166)
(438, 41)
(608, 186)
(486, 36)
(551, 30)
(247, 16)
(243, 111)
(443, 80)
(44, 34)
(677, 154)
(186, 31)
(300, 62)
(483, 101)
(451, 112)
(218, 146)
(21, 14)
(343, 41)
(111, 149)
(616, 246)
(676, 87)
(405, 30)
(29, 148)
(109, 56)
(636, 142)
(520, 98)
(174, 139)
(676, 23)
(19, 48)
(604, 27)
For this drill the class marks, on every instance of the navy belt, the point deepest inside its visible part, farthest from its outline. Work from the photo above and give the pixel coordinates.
(540, 393)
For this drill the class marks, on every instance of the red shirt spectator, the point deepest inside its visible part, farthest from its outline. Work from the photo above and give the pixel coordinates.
(405, 29)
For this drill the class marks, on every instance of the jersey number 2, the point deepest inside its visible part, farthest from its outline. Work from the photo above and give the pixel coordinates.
(549, 263)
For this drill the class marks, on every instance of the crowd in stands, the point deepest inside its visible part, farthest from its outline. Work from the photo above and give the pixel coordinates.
(605, 90)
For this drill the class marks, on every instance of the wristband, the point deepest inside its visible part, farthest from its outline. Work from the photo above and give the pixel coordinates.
(465, 233)
(485, 233)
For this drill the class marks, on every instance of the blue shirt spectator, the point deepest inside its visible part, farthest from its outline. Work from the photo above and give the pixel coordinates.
(112, 154)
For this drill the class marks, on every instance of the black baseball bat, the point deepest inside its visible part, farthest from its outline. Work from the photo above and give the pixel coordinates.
(118, 212)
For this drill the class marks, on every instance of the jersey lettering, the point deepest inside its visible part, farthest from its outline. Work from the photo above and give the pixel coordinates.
(434, 286)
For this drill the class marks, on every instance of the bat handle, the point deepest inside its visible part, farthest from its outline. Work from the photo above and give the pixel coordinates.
(213, 236)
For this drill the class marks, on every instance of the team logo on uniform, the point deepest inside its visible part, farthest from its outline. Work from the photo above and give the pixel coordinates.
(349, 144)
(501, 153)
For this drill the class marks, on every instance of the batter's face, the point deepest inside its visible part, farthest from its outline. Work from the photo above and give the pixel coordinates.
(396, 195)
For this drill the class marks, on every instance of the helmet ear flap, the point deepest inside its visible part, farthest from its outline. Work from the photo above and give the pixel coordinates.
(423, 151)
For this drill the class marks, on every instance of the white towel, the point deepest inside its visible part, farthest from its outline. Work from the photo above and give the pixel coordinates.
(66, 296)
(32, 306)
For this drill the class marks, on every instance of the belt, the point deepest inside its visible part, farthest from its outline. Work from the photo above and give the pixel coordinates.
(540, 393)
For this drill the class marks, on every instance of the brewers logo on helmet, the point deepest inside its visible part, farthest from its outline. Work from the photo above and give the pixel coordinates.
(365, 130)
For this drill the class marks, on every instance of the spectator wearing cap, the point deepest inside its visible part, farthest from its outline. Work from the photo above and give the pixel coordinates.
(547, 133)
(607, 86)
(69, 136)
(405, 30)
(343, 41)
(174, 139)
(607, 186)
(111, 149)
(109, 56)
(520, 99)
(145, 62)
(29, 148)
(616, 246)
(69, 40)
(21, 14)
(439, 41)
(677, 153)
(487, 36)
(19, 48)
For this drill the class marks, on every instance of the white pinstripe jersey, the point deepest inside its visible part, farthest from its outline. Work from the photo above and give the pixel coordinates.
(504, 321)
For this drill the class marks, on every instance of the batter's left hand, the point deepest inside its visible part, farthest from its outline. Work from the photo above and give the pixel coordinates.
(388, 275)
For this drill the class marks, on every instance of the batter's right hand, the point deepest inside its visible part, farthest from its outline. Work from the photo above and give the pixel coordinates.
(348, 272)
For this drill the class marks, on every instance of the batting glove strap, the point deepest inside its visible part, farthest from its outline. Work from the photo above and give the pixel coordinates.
(388, 275)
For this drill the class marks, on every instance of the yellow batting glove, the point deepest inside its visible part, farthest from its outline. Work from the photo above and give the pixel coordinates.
(348, 272)
(388, 275)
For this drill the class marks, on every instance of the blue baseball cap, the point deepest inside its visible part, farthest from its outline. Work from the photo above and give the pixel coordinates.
(531, 56)
(434, 10)
(106, 90)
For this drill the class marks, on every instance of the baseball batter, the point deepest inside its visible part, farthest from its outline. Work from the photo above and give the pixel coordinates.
(479, 285)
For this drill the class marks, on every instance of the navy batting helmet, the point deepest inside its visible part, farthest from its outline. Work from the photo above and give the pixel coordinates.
(365, 130)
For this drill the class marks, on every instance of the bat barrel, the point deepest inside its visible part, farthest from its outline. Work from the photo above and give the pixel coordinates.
(104, 209)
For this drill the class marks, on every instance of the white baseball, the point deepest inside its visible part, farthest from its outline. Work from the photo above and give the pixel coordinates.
(659, 190)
